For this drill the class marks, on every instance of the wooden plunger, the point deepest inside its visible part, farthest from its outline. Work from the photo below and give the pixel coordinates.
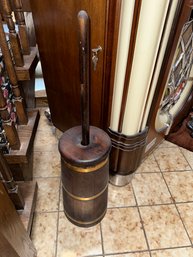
(85, 152)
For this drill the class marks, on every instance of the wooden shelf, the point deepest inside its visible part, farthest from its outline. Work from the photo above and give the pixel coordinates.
(30, 63)
(29, 193)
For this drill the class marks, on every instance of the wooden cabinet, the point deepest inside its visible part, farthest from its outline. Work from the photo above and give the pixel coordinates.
(164, 117)
(56, 28)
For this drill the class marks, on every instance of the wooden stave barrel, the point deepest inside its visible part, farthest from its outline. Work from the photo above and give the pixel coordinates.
(85, 182)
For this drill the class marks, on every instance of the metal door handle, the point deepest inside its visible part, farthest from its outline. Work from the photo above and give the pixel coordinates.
(95, 57)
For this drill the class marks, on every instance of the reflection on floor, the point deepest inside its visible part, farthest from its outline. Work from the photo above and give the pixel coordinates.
(151, 217)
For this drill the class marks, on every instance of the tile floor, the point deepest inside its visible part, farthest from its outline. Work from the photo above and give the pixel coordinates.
(152, 216)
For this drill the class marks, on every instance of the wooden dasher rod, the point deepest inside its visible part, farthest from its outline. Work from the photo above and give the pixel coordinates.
(84, 55)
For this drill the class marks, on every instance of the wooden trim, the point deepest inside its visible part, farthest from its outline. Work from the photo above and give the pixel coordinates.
(111, 42)
(132, 42)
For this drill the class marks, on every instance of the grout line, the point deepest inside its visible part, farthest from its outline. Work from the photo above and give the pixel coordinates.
(46, 151)
(179, 171)
(34, 178)
(170, 171)
(175, 204)
(178, 211)
(141, 220)
(147, 172)
(102, 242)
(171, 248)
(164, 171)
(95, 255)
(148, 205)
(56, 246)
(128, 252)
(121, 207)
(42, 212)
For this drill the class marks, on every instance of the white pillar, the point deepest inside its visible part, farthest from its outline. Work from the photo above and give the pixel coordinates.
(151, 22)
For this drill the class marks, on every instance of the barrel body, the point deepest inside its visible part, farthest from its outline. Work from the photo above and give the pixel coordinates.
(85, 175)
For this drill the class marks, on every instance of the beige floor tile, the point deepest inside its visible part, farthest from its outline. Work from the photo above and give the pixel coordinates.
(150, 189)
(166, 143)
(143, 254)
(48, 194)
(180, 185)
(163, 227)
(186, 212)
(122, 231)
(188, 155)
(44, 233)
(45, 141)
(74, 241)
(180, 252)
(46, 164)
(171, 159)
(148, 165)
(120, 196)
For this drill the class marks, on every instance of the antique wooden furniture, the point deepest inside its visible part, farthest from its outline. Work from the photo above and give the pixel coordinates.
(14, 240)
(138, 49)
(84, 152)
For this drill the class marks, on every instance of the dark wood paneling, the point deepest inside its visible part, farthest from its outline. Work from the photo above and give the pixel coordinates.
(112, 33)
(26, 5)
(57, 37)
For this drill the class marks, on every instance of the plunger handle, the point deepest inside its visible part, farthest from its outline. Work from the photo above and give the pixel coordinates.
(84, 55)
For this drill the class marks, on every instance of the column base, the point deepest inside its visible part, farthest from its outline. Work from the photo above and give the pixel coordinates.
(121, 180)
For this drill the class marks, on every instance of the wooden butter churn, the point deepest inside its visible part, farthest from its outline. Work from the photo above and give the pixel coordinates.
(85, 152)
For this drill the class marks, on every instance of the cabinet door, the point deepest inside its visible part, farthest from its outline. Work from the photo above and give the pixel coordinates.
(57, 38)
